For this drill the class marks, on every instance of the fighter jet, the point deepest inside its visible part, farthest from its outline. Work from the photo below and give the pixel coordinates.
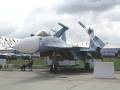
(56, 49)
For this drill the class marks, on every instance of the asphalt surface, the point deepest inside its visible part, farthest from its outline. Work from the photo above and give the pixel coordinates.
(43, 80)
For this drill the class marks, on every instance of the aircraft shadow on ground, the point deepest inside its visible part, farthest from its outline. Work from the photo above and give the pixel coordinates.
(46, 75)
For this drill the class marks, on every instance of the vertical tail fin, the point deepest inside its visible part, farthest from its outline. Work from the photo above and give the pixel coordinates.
(95, 42)
(61, 31)
(63, 37)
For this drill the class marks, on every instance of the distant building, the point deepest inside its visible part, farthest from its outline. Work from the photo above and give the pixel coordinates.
(111, 52)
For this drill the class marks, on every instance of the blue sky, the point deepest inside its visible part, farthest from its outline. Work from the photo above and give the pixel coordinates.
(20, 18)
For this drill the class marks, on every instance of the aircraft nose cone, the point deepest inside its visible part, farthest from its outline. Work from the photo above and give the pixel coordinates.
(27, 45)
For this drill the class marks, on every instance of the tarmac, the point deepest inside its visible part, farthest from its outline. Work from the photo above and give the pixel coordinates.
(42, 79)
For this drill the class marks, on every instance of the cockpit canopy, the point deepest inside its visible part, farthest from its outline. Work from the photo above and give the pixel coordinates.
(42, 34)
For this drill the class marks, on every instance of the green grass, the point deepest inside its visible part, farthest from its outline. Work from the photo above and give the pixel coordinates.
(37, 63)
(116, 62)
(41, 63)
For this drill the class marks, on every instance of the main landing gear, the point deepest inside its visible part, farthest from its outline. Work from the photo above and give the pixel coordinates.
(53, 68)
(54, 65)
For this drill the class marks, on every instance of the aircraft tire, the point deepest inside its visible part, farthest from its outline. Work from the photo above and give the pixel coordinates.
(53, 68)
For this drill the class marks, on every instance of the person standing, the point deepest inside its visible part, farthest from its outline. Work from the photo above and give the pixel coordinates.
(23, 67)
(30, 64)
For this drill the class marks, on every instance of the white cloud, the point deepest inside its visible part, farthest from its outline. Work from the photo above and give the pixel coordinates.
(76, 6)
(16, 12)
(20, 18)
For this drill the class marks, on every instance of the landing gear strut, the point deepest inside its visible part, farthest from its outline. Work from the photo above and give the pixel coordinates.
(53, 67)
(86, 64)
